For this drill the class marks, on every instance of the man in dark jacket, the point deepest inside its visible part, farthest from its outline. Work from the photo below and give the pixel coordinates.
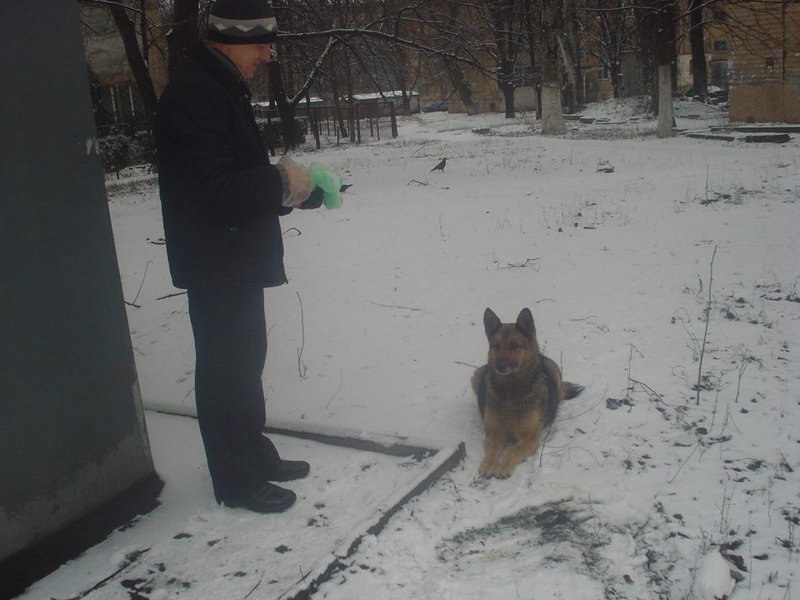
(221, 199)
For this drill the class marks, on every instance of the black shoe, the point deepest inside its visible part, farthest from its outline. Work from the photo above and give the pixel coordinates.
(266, 498)
(290, 470)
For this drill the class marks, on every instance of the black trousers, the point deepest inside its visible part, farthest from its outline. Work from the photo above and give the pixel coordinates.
(230, 338)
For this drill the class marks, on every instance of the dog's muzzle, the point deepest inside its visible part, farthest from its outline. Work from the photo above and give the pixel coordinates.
(504, 369)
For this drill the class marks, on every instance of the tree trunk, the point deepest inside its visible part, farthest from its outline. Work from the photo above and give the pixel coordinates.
(141, 75)
(531, 42)
(697, 38)
(657, 38)
(645, 18)
(572, 55)
(461, 86)
(285, 108)
(539, 111)
(616, 79)
(145, 40)
(572, 75)
(341, 130)
(665, 116)
(351, 101)
(508, 96)
(505, 76)
(183, 33)
(552, 118)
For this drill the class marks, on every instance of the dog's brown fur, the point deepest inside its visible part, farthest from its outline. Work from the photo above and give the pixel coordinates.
(518, 390)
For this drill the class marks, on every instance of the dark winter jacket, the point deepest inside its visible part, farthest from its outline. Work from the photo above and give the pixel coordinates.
(220, 197)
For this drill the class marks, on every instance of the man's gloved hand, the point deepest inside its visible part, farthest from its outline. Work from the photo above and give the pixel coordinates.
(296, 182)
(314, 200)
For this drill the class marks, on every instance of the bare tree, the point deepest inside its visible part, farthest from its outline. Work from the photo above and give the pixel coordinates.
(461, 85)
(136, 54)
(611, 32)
(488, 37)
(381, 45)
(506, 21)
(532, 20)
(440, 27)
(551, 25)
(754, 27)
(137, 29)
(183, 18)
(569, 45)
(657, 45)
(698, 43)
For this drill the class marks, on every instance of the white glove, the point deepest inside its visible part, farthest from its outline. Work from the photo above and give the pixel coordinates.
(297, 185)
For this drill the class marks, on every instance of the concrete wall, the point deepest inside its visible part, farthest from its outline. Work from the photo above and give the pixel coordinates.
(72, 433)
(765, 102)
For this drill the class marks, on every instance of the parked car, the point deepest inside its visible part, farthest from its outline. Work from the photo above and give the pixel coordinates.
(434, 106)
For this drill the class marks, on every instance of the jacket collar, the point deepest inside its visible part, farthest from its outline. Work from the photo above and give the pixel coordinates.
(221, 68)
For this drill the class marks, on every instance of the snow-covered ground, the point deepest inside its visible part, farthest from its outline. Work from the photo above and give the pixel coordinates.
(639, 257)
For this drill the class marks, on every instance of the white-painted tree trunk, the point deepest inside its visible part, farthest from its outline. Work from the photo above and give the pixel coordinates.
(552, 119)
(665, 116)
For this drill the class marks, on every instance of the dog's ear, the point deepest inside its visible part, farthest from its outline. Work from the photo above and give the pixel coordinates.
(525, 324)
(491, 322)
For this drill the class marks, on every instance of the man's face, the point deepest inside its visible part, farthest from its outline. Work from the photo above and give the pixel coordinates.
(248, 57)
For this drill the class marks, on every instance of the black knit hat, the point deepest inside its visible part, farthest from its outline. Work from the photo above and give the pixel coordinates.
(242, 22)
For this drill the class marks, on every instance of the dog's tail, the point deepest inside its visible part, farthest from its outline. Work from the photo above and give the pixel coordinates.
(571, 390)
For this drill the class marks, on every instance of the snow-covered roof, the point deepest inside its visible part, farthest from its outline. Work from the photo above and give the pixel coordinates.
(312, 99)
(380, 95)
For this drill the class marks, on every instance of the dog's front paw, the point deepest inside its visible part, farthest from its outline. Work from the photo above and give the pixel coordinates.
(493, 469)
(502, 471)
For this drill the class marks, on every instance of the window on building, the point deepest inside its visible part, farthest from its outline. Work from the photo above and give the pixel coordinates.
(720, 45)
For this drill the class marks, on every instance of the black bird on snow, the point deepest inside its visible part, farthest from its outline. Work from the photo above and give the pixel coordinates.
(440, 166)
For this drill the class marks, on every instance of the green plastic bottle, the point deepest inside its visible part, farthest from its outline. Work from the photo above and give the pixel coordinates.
(329, 181)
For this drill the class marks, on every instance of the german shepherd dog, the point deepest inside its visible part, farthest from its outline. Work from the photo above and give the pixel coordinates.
(518, 390)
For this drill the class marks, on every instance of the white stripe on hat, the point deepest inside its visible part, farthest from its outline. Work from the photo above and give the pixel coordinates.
(270, 24)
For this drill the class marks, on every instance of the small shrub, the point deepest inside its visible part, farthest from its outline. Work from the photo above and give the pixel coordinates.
(114, 152)
(141, 150)
(272, 133)
(120, 149)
